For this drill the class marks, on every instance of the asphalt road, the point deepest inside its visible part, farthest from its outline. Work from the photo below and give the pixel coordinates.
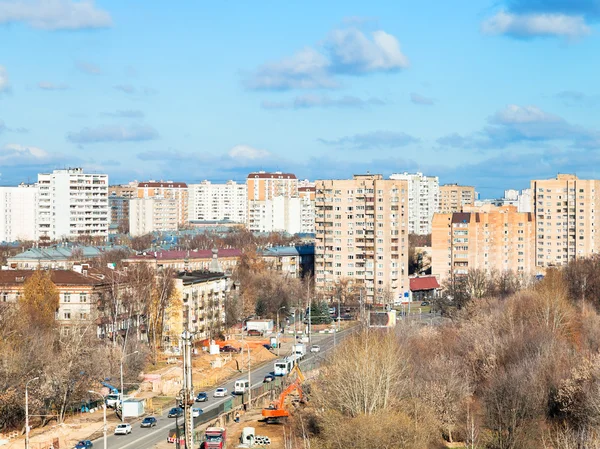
(147, 438)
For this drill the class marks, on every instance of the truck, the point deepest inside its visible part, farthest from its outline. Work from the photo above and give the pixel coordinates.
(264, 326)
(299, 349)
(214, 438)
(282, 367)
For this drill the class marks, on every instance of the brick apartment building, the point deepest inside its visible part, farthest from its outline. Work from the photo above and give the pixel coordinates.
(361, 229)
(453, 197)
(490, 237)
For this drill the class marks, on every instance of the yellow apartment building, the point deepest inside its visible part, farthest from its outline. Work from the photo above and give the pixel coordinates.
(453, 197)
(361, 227)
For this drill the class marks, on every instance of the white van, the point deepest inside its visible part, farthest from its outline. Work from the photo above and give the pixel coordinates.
(283, 367)
(241, 386)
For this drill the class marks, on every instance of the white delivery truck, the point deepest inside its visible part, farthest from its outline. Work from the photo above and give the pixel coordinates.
(263, 326)
(241, 386)
(299, 349)
(283, 367)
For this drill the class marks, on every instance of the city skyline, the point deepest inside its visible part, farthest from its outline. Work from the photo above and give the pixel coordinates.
(489, 94)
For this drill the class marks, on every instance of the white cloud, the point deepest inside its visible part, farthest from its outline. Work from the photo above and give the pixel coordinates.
(47, 85)
(345, 51)
(126, 88)
(114, 133)
(89, 68)
(515, 114)
(55, 14)
(353, 52)
(4, 84)
(36, 152)
(539, 24)
(323, 101)
(247, 152)
(420, 99)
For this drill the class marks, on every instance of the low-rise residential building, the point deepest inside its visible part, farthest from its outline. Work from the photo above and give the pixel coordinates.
(453, 197)
(18, 218)
(293, 261)
(62, 257)
(199, 303)
(200, 260)
(79, 292)
(490, 238)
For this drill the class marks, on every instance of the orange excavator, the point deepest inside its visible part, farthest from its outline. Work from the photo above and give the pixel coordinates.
(276, 410)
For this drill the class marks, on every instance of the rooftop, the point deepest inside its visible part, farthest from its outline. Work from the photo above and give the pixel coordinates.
(178, 254)
(193, 277)
(272, 175)
(58, 277)
(423, 283)
(61, 253)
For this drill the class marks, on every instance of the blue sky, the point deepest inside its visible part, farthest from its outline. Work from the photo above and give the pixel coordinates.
(487, 93)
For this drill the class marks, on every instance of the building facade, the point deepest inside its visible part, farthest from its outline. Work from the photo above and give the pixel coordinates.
(189, 260)
(119, 213)
(168, 190)
(153, 214)
(18, 218)
(307, 209)
(453, 197)
(489, 238)
(124, 190)
(362, 236)
(273, 202)
(218, 202)
(567, 213)
(423, 200)
(71, 204)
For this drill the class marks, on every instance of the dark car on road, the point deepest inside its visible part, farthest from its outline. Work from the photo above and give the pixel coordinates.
(175, 412)
(149, 421)
(228, 348)
(269, 378)
(269, 347)
(84, 444)
(202, 397)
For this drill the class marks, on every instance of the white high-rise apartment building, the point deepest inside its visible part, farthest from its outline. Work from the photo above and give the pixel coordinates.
(152, 214)
(423, 200)
(307, 209)
(18, 212)
(72, 203)
(273, 202)
(217, 202)
(521, 199)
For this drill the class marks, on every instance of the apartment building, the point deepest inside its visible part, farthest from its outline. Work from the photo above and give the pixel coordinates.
(567, 213)
(128, 190)
(453, 197)
(72, 203)
(119, 214)
(490, 238)
(307, 209)
(153, 214)
(218, 202)
(362, 235)
(273, 202)
(168, 190)
(423, 200)
(18, 212)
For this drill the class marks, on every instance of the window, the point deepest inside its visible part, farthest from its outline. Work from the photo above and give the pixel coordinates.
(4, 297)
(67, 315)
(67, 297)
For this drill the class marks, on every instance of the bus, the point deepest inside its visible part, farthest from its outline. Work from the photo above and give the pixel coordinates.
(283, 367)
(241, 386)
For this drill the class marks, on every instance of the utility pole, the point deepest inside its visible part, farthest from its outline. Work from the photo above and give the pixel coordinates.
(27, 412)
(188, 388)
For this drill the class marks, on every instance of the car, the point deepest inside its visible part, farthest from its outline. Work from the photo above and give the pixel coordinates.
(424, 303)
(228, 348)
(112, 400)
(254, 333)
(149, 421)
(84, 444)
(196, 412)
(123, 429)
(220, 392)
(266, 346)
(315, 348)
(175, 412)
(202, 397)
(269, 378)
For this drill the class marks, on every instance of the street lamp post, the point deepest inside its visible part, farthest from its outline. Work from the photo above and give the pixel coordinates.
(249, 375)
(278, 329)
(122, 391)
(27, 412)
(104, 408)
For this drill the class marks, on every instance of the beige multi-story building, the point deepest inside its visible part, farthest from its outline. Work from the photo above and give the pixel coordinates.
(124, 190)
(362, 235)
(567, 213)
(489, 238)
(273, 202)
(177, 191)
(148, 215)
(453, 197)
